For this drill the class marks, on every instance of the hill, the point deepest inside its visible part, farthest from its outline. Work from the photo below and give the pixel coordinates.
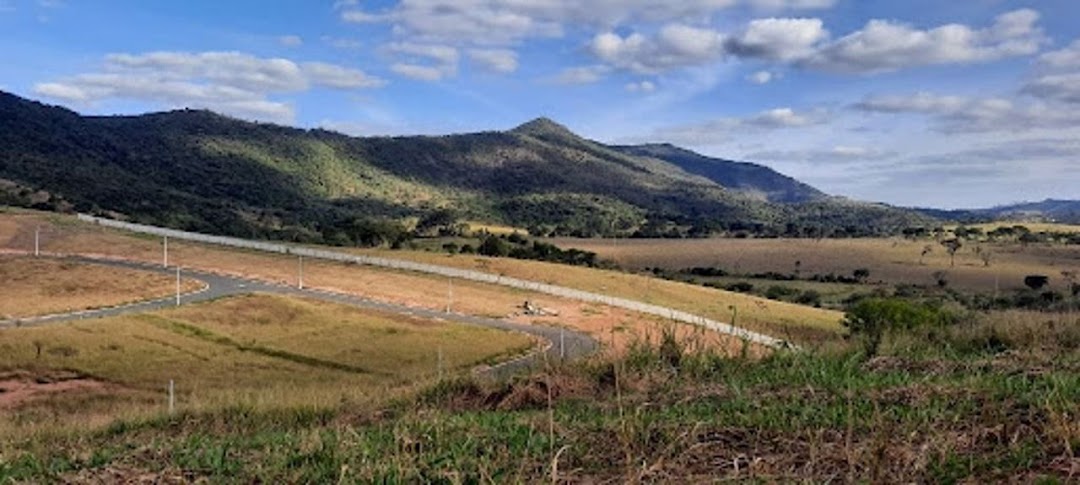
(751, 178)
(197, 170)
(1049, 210)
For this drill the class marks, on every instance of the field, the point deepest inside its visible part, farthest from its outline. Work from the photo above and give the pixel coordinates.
(799, 323)
(262, 351)
(918, 413)
(44, 286)
(890, 261)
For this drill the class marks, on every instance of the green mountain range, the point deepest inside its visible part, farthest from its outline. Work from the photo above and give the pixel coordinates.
(197, 170)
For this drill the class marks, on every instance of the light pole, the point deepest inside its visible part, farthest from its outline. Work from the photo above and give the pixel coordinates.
(177, 286)
(37, 241)
(300, 272)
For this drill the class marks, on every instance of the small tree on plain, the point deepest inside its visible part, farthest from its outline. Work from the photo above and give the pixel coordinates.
(986, 256)
(952, 246)
(925, 250)
(861, 274)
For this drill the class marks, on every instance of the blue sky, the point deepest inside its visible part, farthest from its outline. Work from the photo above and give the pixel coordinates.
(931, 103)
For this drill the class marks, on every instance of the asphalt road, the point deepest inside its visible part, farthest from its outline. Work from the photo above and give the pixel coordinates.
(561, 343)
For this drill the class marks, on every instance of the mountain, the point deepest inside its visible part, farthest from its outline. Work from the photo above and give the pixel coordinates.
(753, 179)
(1049, 210)
(197, 170)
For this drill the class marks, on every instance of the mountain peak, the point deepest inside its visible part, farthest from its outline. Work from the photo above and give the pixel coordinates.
(543, 126)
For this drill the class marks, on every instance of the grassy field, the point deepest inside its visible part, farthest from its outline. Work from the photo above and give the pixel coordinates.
(948, 406)
(64, 234)
(34, 286)
(890, 261)
(262, 351)
(794, 322)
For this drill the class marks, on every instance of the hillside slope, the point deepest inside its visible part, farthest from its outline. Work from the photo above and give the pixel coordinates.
(201, 171)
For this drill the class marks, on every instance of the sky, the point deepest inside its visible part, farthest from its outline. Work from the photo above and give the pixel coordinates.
(952, 104)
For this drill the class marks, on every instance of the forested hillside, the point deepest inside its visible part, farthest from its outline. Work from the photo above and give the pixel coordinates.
(201, 171)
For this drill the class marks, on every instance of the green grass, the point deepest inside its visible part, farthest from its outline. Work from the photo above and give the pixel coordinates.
(950, 411)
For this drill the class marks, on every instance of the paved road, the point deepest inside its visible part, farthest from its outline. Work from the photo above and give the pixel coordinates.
(561, 343)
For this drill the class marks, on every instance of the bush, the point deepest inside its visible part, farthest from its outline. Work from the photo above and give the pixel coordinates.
(741, 287)
(809, 297)
(872, 318)
(779, 292)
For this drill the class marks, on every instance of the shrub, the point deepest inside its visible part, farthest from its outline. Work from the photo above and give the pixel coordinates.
(741, 287)
(872, 318)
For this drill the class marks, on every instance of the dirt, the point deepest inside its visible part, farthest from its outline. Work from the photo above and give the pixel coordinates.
(20, 387)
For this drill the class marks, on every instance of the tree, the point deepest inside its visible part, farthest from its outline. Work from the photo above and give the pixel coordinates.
(872, 318)
(986, 256)
(952, 246)
(861, 274)
(494, 246)
(925, 250)
(1036, 282)
(1071, 278)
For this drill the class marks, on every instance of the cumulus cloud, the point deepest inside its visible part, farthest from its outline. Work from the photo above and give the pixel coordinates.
(675, 45)
(880, 46)
(778, 39)
(495, 60)
(291, 40)
(231, 82)
(505, 22)
(1067, 58)
(961, 114)
(883, 45)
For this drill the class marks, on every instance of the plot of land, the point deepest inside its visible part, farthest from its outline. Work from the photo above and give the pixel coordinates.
(64, 234)
(38, 286)
(889, 260)
(260, 350)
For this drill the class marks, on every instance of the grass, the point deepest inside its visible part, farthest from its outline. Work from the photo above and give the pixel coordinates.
(260, 350)
(890, 261)
(784, 320)
(33, 286)
(928, 410)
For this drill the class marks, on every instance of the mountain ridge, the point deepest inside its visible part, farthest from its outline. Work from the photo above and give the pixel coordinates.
(195, 169)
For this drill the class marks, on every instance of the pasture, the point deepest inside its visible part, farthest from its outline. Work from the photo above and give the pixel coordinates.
(259, 350)
(39, 286)
(890, 261)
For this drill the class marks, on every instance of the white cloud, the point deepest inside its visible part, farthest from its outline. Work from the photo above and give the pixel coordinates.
(231, 82)
(722, 130)
(1067, 58)
(1056, 87)
(291, 40)
(883, 45)
(581, 75)
(961, 114)
(676, 45)
(477, 22)
(425, 62)
(641, 87)
(761, 77)
(495, 60)
(778, 39)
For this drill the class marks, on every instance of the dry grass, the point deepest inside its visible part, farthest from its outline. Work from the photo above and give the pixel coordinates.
(34, 286)
(267, 351)
(889, 260)
(63, 234)
(784, 320)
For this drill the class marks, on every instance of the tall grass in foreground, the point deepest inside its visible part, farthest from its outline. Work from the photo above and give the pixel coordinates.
(948, 407)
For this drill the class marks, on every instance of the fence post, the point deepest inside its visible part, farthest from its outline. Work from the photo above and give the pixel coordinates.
(172, 397)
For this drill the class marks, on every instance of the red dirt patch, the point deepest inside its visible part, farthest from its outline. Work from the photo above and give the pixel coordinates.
(20, 387)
